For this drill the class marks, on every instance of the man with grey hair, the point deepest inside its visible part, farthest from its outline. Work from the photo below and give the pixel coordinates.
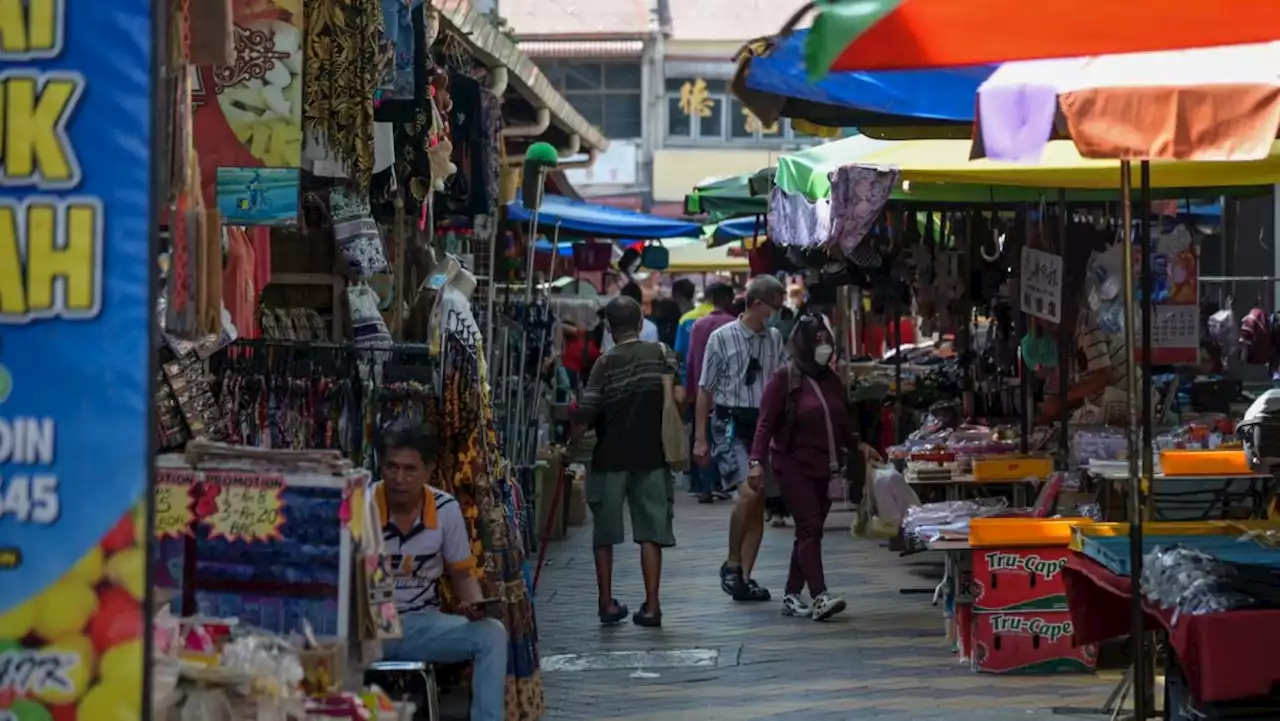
(739, 359)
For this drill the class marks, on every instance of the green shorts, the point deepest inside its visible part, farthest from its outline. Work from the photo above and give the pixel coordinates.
(651, 497)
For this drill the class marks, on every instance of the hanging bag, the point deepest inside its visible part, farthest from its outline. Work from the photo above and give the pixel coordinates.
(675, 440)
(655, 256)
(836, 489)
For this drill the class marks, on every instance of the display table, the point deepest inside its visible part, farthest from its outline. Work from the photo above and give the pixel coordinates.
(958, 488)
(1224, 656)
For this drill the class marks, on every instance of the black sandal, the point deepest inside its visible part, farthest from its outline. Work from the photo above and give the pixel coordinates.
(646, 619)
(614, 617)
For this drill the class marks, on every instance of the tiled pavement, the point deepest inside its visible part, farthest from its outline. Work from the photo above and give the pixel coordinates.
(884, 658)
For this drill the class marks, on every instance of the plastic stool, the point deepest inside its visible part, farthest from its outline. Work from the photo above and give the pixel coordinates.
(411, 681)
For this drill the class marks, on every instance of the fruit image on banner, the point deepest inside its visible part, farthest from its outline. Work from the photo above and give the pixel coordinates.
(82, 638)
(249, 115)
(76, 309)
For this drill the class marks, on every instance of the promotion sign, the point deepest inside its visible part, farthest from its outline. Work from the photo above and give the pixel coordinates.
(75, 316)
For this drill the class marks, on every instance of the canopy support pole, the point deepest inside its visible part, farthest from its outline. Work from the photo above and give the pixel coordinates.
(1144, 681)
(1136, 617)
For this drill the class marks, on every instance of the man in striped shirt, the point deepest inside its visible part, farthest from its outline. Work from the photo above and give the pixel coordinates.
(624, 401)
(426, 538)
(739, 359)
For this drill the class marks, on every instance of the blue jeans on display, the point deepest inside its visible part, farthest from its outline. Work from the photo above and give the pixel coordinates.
(434, 637)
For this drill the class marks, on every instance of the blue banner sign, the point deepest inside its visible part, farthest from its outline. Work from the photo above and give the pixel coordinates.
(76, 98)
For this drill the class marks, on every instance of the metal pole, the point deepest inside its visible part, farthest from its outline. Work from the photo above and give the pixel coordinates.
(522, 362)
(1143, 678)
(1136, 618)
(1023, 328)
(1066, 336)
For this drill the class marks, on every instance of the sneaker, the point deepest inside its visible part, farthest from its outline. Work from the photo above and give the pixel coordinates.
(793, 605)
(778, 521)
(752, 591)
(731, 580)
(705, 498)
(825, 606)
(722, 495)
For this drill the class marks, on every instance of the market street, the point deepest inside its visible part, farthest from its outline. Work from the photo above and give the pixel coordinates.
(886, 657)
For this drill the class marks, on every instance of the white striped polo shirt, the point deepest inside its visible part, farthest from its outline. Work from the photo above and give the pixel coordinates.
(730, 350)
(437, 540)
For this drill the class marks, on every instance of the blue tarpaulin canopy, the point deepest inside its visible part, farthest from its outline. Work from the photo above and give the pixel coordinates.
(946, 94)
(575, 216)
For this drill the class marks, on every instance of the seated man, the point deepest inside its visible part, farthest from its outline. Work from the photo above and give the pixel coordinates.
(426, 537)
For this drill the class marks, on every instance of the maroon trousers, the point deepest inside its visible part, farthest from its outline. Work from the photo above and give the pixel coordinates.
(808, 500)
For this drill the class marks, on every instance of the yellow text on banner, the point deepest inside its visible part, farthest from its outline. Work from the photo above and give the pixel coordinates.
(248, 506)
(173, 512)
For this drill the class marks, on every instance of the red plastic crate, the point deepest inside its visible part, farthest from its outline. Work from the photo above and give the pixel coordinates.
(1029, 643)
(1012, 580)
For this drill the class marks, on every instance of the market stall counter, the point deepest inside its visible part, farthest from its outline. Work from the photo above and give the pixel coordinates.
(1224, 656)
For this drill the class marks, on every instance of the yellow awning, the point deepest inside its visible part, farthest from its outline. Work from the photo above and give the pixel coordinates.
(947, 161)
(698, 258)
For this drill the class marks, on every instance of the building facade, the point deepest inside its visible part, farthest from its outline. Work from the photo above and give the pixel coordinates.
(654, 76)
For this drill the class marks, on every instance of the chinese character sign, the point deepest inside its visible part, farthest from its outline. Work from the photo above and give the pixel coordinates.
(695, 99)
(75, 355)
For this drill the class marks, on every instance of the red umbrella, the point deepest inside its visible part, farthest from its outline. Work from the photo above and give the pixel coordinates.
(914, 34)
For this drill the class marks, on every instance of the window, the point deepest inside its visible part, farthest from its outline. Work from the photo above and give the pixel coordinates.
(606, 93)
(704, 110)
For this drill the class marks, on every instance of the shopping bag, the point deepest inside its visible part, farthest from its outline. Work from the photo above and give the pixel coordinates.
(675, 441)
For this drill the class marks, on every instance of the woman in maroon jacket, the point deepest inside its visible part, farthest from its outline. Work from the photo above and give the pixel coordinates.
(804, 431)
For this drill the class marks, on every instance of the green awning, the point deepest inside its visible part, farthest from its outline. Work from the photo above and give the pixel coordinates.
(725, 198)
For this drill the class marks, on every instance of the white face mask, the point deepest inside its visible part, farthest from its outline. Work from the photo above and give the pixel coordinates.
(822, 354)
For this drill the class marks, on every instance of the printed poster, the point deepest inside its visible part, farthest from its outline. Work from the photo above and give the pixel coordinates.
(75, 362)
(1175, 306)
(1041, 284)
(249, 115)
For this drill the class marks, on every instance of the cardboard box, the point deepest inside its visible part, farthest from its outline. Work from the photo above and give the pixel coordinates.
(1012, 580)
(1029, 643)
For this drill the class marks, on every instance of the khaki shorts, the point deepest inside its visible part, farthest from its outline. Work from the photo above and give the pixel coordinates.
(650, 495)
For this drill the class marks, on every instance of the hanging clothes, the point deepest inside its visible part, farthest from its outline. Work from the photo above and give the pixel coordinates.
(341, 62)
(240, 282)
(796, 220)
(471, 470)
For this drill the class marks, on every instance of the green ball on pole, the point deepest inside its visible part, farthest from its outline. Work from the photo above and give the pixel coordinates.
(538, 159)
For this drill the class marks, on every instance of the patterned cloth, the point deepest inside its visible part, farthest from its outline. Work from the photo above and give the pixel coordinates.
(343, 36)
(472, 470)
(796, 220)
(858, 195)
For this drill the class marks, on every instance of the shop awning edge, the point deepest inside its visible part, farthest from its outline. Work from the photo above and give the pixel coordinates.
(495, 48)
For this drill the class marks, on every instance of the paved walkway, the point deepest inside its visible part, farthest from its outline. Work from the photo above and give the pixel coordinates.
(885, 658)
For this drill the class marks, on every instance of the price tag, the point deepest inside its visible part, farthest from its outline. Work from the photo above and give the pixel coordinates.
(173, 512)
(243, 506)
